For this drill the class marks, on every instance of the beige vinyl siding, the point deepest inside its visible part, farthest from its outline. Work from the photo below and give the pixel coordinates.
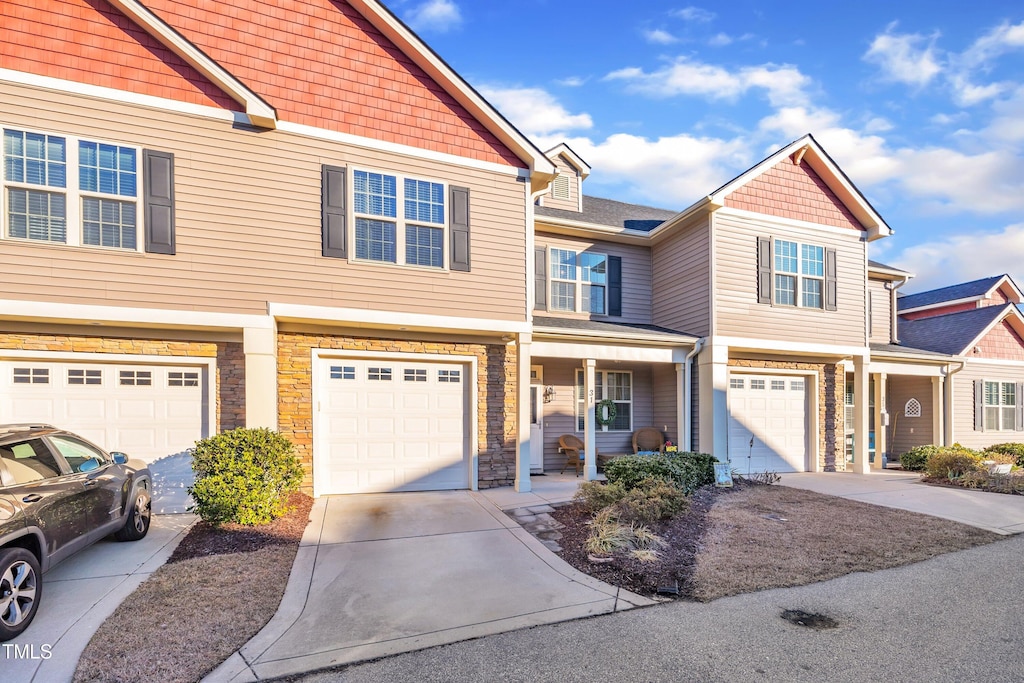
(560, 414)
(682, 281)
(636, 275)
(963, 403)
(881, 312)
(737, 312)
(907, 432)
(248, 223)
(664, 382)
(573, 202)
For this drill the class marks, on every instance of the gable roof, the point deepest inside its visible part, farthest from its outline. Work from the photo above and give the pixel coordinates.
(953, 333)
(965, 291)
(574, 159)
(610, 213)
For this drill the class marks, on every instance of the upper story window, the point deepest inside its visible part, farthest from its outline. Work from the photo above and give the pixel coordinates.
(71, 191)
(579, 281)
(399, 220)
(799, 274)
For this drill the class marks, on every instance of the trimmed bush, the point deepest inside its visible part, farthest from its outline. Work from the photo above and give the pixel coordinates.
(687, 471)
(916, 458)
(652, 500)
(244, 476)
(952, 462)
(596, 495)
(1015, 450)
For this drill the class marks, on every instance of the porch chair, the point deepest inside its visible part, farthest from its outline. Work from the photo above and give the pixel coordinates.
(648, 439)
(573, 447)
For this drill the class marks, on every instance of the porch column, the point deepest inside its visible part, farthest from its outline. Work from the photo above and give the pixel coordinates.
(938, 430)
(860, 416)
(947, 409)
(713, 384)
(682, 416)
(260, 347)
(880, 412)
(522, 481)
(590, 422)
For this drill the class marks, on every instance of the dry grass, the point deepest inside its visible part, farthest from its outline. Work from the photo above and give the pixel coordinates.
(748, 547)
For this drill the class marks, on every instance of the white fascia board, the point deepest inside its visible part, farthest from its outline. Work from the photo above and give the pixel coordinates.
(78, 314)
(914, 369)
(704, 204)
(993, 362)
(789, 348)
(259, 112)
(543, 171)
(1005, 280)
(612, 337)
(894, 272)
(326, 315)
(766, 220)
(604, 352)
(563, 149)
(940, 304)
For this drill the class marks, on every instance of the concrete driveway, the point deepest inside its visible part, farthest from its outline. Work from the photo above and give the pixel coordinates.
(79, 594)
(998, 512)
(381, 574)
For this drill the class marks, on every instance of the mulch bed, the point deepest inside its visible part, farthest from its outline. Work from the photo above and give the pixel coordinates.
(675, 565)
(204, 539)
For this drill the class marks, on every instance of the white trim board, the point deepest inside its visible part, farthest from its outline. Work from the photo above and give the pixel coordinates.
(402, 321)
(134, 317)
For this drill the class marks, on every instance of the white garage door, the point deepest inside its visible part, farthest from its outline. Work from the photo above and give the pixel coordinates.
(771, 410)
(151, 412)
(391, 426)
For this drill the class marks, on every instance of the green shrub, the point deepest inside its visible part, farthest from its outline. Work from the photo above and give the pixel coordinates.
(952, 462)
(244, 476)
(687, 471)
(596, 495)
(652, 500)
(916, 458)
(1016, 450)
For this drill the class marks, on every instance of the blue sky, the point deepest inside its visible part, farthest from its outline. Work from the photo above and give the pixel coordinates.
(921, 103)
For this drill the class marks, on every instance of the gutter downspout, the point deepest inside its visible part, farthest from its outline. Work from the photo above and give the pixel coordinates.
(895, 316)
(688, 394)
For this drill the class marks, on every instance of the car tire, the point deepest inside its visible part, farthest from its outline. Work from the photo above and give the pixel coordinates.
(136, 523)
(21, 588)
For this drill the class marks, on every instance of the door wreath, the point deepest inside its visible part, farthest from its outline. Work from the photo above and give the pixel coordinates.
(606, 412)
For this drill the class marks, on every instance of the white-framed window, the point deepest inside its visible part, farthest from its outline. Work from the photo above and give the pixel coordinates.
(799, 274)
(398, 220)
(68, 190)
(579, 281)
(617, 386)
(1000, 405)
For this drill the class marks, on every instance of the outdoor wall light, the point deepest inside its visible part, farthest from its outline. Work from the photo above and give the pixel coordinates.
(549, 394)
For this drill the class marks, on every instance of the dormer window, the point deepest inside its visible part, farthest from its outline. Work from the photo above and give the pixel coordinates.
(561, 188)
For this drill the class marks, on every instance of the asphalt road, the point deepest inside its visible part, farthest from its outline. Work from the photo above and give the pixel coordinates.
(958, 617)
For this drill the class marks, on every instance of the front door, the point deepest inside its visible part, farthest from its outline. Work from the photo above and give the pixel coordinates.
(536, 428)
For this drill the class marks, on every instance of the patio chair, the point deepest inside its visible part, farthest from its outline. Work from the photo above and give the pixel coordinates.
(648, 439)
(573, 447)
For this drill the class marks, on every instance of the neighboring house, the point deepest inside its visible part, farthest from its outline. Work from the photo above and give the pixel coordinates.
(279, 214)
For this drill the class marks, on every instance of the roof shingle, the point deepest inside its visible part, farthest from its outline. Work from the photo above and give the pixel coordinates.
(600, 211)
(964, 290)
(950, 333)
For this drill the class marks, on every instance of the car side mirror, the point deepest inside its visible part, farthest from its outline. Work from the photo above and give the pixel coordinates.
(119, 458)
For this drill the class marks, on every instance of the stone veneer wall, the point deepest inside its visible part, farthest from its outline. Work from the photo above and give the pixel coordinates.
(831, 379)
(230, 369)
(496, 390)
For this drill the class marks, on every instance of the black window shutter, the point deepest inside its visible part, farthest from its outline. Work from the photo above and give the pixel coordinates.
(333, 223)
(614, 285)
(540, 278)
(764, 270)
(1018, 423)
(459, 228)
(158, 201)
(831, 287)
(979, 405)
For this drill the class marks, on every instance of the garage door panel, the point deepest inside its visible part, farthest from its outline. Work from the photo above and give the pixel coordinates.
(408, 434)
(91, 408)
(773, 411)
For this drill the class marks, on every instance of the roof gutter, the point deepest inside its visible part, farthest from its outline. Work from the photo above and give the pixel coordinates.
(612, 336)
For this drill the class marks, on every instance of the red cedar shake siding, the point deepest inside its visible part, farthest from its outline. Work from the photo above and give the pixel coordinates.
(1002, 343)
(796, 192)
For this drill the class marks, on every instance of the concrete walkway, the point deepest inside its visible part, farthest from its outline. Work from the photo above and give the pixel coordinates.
(380, 574)
(78, 596)
(998, 512)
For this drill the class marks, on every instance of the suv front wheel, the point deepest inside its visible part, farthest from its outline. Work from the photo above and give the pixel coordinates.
(20, 590)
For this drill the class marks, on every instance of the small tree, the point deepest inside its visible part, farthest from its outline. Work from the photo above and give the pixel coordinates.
(244, 476)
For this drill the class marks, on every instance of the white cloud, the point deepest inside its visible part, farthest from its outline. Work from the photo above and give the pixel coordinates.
(720, 40)
(571, 81)
(966, 256)
(998, 41)
(782, 84)
(534, 110)
(439, 16)
(660, 37)
(694, 14)
(905, 58)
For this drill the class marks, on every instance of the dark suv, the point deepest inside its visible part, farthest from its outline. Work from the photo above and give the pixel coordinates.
(58, 494)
